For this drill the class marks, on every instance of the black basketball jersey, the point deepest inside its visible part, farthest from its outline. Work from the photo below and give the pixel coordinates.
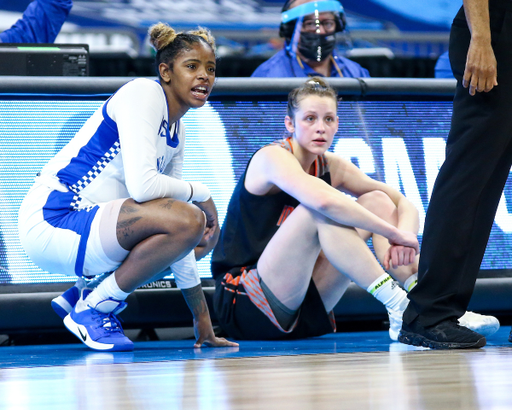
(252, 220)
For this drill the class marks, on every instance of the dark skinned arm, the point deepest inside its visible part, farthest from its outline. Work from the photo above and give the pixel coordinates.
(480, 73)
(203, 329)
(212, 229)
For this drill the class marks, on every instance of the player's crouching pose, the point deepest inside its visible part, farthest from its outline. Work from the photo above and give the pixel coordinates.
(292, 240)
(113, 199)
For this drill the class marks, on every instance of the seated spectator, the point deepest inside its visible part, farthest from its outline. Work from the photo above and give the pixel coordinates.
(309, 48)
(40, 23)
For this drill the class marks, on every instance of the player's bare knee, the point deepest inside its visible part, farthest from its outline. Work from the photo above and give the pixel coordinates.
(306, 214)
(377, 202)
(307, 218)
(312, 217)
(190, 223)
(198, 223)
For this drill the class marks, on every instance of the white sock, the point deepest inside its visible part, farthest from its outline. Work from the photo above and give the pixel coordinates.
(411, 282)
(388, 292)
(108, 289)
(81, 283)
(96, 280)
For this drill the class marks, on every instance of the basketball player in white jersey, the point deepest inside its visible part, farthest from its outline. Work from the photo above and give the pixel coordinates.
(112, 200)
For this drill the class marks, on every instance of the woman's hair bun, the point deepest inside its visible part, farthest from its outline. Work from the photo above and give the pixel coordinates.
(316, 82)
(161, 35)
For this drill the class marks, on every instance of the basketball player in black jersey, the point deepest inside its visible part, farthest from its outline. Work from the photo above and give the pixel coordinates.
(292, 240)
(279, 272)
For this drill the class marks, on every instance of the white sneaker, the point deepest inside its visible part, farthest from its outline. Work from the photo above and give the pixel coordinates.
(395, 319)
(485, 325)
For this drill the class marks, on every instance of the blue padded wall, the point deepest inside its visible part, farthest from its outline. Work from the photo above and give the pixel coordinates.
(398, 142)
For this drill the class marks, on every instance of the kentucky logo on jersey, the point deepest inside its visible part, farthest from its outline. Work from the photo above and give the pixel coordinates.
(287, 210)
(160, 164)
(164, 129)
(165, 133)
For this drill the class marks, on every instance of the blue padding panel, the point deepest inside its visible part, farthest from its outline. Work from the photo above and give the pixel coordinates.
(399, 142)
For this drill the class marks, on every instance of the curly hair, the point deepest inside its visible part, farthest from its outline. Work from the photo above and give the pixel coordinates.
(169, 44)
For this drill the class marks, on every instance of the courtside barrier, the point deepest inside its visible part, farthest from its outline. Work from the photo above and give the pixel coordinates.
(393, 129)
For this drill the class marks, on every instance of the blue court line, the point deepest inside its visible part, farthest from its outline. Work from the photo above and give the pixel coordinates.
(162, 351)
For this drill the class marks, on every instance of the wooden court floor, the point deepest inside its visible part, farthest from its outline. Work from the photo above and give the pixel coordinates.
(341, 371)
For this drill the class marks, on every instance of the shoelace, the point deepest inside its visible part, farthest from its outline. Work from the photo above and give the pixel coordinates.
(110, 322)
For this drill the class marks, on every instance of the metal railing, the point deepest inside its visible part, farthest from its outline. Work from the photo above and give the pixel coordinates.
(89, 86)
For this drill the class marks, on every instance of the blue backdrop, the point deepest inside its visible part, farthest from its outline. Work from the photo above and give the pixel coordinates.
(398, 142)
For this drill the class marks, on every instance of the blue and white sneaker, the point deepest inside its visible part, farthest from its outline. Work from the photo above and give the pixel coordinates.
(64, 304)
(98, 329)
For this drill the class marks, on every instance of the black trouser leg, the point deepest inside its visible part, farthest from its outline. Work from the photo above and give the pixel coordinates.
(468, 188)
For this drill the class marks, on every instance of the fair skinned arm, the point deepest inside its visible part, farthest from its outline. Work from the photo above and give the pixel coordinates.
(480, 73)
(273, 166)
(349, 178)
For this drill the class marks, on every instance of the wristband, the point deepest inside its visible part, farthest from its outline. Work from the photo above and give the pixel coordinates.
(199, 192)
(191, 192)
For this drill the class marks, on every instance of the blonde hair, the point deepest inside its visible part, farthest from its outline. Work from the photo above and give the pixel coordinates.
(205, 34)
(169, 44)
(161, 35)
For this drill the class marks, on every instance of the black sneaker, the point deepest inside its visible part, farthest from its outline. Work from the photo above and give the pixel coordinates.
(445, 335)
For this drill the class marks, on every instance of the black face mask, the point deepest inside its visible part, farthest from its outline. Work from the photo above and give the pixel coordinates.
(316, 47)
